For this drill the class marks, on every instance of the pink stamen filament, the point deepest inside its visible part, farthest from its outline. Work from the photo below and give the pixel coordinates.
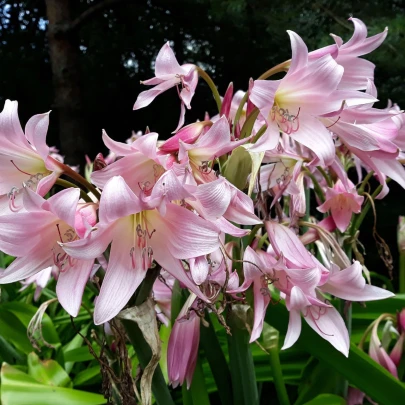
(308, 310)
(29, 174)
(141, 250)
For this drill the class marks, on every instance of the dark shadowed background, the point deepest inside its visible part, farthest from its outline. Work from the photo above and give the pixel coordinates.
(84, 60)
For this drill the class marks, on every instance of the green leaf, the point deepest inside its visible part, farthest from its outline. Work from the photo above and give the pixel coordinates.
(327, 399)
(75, 343)
(14, 331)
(88, 376)
(48, 372)
(25, 313)
(18, 388)
(238, 167)
(9, 354)
(318, 378)
(80, 354)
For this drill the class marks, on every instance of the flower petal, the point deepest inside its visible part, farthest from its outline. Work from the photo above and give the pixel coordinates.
(71, 284)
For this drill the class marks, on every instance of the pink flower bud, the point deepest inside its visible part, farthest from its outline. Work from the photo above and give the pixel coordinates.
(188, 134)
(183, 349)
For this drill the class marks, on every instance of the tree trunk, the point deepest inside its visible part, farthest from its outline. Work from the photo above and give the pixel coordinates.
(64, 55)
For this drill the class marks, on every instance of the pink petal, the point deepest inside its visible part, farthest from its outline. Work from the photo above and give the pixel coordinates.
(199, 269)
(213, 198)
(64, 204)
(119, 148)
(330, 326)
(47, 182)
(136, 169)
(350, 284)
(36, 131)
(294, 329)
(121, 279)
(185, 234)
(317, 138)
(146, 97)
(262, 95)
(299, 51)
(241, 209)
(117, 201)
(93, 246)
(227, 227)
(166, 62)
(26, 266)
(71, 284)
(261, 297)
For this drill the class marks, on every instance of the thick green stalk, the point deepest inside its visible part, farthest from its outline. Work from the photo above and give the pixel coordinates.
(68, 184)
(325, 176)
(216, 359)
(270, 343)
(278, 376)
(317, 187)
(282, 67)
(241, 363)
(204, 75)
(68, 171)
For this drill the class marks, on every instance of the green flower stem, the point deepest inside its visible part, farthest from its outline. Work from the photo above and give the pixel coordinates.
(365, 182)
(68, 171)
(241, 363)
(325, 176)
(278, 375)
(317, 187)
(216, 359)
(68, 184)
(198, 390)
(360, 217)
(282, 67)
(205, 76)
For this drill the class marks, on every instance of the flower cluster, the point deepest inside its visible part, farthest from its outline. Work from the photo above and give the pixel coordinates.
(227, 190)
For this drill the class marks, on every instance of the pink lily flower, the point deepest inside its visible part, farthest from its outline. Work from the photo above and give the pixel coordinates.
(182, 351)
(308, 91)
(342, 203)
(168, 73)
(142, 230)
(209, 146)
(379, 354)
(140, 165)
(304, 280)
(40, 228)
(25, 159)
(188, 134)
(357, 71)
